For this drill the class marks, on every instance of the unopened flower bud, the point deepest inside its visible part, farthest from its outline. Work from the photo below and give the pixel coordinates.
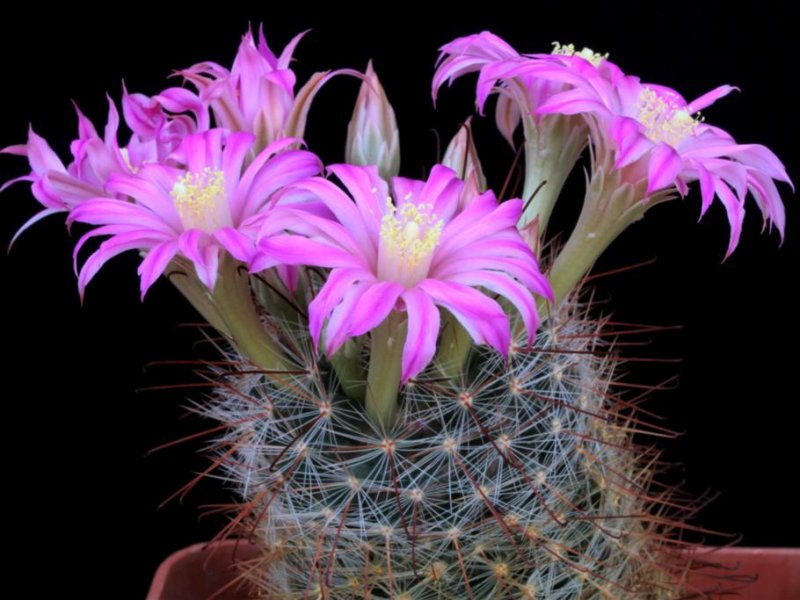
(372, 136)
(462, 156)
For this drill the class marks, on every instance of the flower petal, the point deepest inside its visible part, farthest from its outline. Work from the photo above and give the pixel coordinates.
(338, 282)
(505, 286)
(663, 167)
(155, 262)
(482, 317)
(709, 98)
(423, 330)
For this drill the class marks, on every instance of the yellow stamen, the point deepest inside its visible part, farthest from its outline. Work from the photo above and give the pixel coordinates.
(665, 119)
(586, 53)
(411, 233)
(200, 199)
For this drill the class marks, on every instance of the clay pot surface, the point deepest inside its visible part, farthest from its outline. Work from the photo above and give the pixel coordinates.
(203, 571)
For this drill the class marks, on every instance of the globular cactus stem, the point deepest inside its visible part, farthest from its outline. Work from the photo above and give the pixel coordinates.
(521, 480)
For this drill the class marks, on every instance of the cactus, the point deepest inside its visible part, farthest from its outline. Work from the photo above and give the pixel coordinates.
(521, 479)
(410, 408)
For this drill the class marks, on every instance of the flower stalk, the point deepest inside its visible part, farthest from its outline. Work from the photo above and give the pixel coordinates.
(385, 370)
(609, 207)
(552, 148)
(347, 365)
(455, 345)
(233, 300)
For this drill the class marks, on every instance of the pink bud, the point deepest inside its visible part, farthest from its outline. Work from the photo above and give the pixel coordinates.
(372, 136)
(462, 156)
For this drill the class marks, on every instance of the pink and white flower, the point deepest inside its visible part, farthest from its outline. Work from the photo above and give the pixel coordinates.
(653, 135)
(553, 142)
(413, 251)
(155, 135)
(213, 201)
(256, 94)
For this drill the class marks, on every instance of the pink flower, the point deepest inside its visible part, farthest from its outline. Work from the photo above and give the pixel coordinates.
(59, 188)
(413, 251)
(208, 204)
(553, 142)
(474, 53)
(156, 134)
(257, 94)
(160, 123)
(652, 135)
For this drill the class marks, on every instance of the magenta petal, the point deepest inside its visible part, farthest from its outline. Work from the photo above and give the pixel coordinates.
(32, 221)
(298, 250)
(286, 56)
(341, 206)
(706, 188)
(201, 151)
(198, 247)
(631, 142)
(761, 158)
(85, 128)
(107, 250)
(374, 306)
(102, 211)
(465, 230)
(41, 156)
(240, 246)
(405, 189)
(442, 191)
(571, 102)
(290, 276)
(155, 262)
(262, 179)
(735, 211)
(663, 167)
(482, 317)
(768, 199)
(369, 189)
(237, 145)
(339, 327)
(503, 285)
(11, 182)
(709, 98)
(339, 281)
(423, 330)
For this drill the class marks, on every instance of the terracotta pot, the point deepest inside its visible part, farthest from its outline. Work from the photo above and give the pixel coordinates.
(201, 571)
(747, 573)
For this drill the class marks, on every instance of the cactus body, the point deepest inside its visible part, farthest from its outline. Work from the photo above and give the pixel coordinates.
(521, 480)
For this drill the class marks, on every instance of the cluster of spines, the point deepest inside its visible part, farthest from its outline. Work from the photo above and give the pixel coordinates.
(521, 480)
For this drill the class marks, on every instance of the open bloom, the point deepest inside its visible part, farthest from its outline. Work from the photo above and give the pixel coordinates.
(256, 94)
(553, 142)
(58, 188)
(412, 251)
(653, 135)
(156, 134)
(210, 203)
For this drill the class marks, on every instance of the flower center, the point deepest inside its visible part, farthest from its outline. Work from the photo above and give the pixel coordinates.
(409, 235)
(665, 117)
(201, 201)
(586, 53)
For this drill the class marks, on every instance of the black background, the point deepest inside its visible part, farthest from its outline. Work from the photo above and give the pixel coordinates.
(80, 495)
